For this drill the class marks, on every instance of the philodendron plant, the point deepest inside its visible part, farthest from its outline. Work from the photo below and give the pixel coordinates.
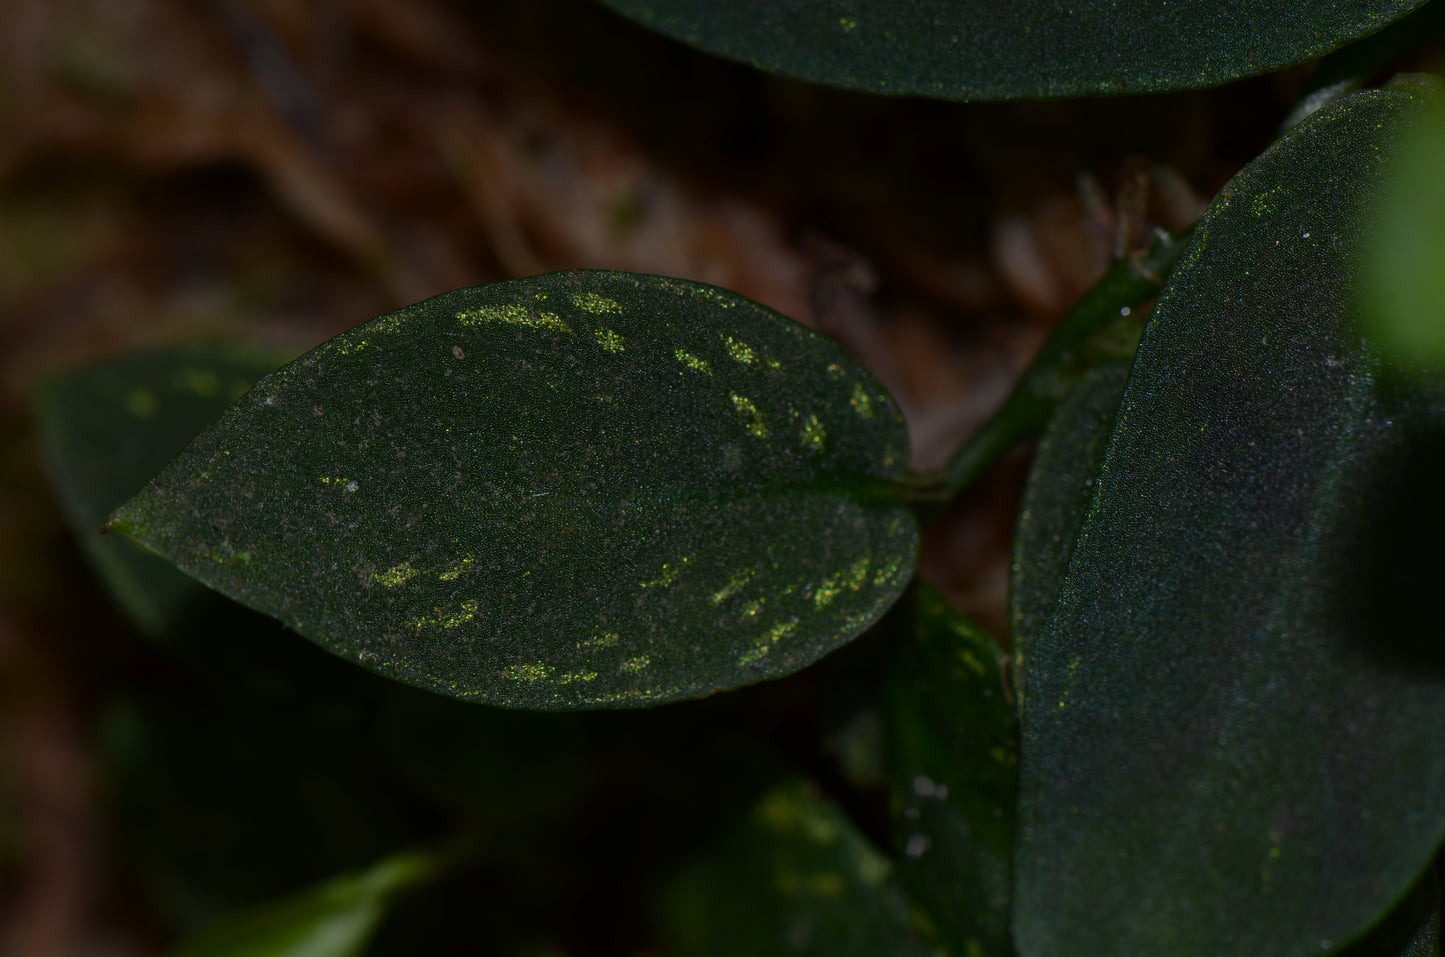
(1217, 727)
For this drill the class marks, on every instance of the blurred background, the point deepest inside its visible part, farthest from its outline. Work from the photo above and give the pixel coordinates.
(275, 172)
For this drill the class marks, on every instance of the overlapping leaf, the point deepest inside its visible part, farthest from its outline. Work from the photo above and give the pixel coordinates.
(985, 49)
(584, 489)
(1231, 727)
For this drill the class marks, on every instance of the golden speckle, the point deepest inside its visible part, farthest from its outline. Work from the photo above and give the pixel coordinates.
(512, 314)
(395, 577)
(758, 653)
(596, 304)
(858, 574)
(633, 666)
(835, 371)
(751, 609)
(668, 576)
(781, 630)
(464, 613)
(457, 570)
(814, 435)
(141, 403)
(605, 640)
(848, 24)
(609, 340)
(862, 403)
(734, 585)
(755, 426)
(740, 351)
(569, 677)
(536, 672)
(693, 362)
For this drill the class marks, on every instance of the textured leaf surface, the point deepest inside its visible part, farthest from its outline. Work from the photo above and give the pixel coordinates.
(1059, 489)
(336, 919)
(1231, 730)
(796, 878)
(985, 49)
(107, 429)
(584, 489)
(952, 755)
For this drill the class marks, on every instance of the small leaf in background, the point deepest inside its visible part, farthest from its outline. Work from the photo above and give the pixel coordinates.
(987, 50)
(578, 490)
(107, 429)
(1404, 300)
(795, 878)
(952, 755)
(1230, 739)
(336, 919)
(1059, 489)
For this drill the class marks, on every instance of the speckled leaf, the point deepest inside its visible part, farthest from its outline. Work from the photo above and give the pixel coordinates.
(336, 919)
(583, 489)
(796, 878)
(952, 756)
(106, 429)
(1060, 486)
(986, 49)
(1230, 740)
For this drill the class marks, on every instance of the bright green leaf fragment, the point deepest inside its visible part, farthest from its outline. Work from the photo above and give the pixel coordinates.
(1405, 291)
(489, 501)
(952, 757)
(1230, 737)
(794, 879)
(336, 919)
(1060, 487)
(989, 50)
(108, 428)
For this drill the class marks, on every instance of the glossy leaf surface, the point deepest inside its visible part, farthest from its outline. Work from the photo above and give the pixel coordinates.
(579, 490)
(952, 756)
(796, 878)
(984, 49)
(1060, 486)
(1231, 729)
(107, 429)
(336, 919)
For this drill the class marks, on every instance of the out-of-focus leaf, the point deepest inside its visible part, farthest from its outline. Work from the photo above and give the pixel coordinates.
(952, 755)
(336, 919)
(1231, 730)
(796, 878)
(107, 429)
(1405, 280)
(586, 489)
(1060, 486)
(987, 50)
(1410, 930)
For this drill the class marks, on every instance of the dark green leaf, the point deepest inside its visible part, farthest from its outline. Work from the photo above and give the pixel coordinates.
(1231, 731)
(952, 755)
(986, 49)
(797, 879)
(584, 489)
(336, 919)
(1060, 486)
(108, 428)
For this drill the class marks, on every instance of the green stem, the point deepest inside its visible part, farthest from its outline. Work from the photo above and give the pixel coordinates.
(1063, 358)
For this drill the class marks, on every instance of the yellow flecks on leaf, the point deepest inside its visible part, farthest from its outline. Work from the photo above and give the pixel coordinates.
(693, 362)
(862, 403)
(596, 304)
(755, 425)
(198, 382)
(536, 672)
(512, 314)
(757, 654)
(394, 577)
(858, 574)
(827, 591)
(668, 576)
(457, 570)
(446, 618)
(141, 403)
(739, 350)
(341, 480)
(581, 677)
(633, 666)
(814, 435)
(835, 371)
(347, 347)
(774, 364)
(848, 24)
(609, 340)
(781, 630)
(734, 585)
(605, 640)
(751, 609)
(886, 573)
